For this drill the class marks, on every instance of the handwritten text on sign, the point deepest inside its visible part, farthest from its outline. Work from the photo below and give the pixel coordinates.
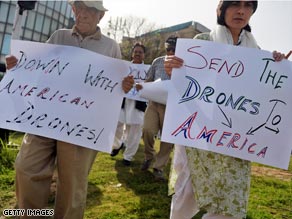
(231, 100)
(63, 92)
(139, 73)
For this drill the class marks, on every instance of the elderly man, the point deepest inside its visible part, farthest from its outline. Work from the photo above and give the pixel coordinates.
(38, 155)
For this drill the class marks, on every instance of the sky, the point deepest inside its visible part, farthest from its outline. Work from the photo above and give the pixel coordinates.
(271, 24)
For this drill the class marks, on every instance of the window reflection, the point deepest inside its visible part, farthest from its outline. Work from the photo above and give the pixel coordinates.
(11, 14)
(3, 11)
(30, 19)
(39, 23)
(6, 44)
(46, 29)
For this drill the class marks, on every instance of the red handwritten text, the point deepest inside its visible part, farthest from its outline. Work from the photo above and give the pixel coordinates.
(223, 139)
(218, 65)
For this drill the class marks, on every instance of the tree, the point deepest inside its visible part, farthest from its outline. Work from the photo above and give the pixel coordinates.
(129, 30)
(129, 26)
(115, 28)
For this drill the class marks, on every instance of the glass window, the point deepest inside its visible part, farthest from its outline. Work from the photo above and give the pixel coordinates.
(56, 15)
(63, 7)
(28, 35)
(57, 5)
(49, 12)
(2, 58)
(61, 19)
(8, 28)
(68, 12)
(44, 38)
(30, 19)
(1, 38)
(3, 11)
(66, 23)
(11, 14)
(36, 37)
(60, 25)
(39, 22)
(50, 4)
(54, 26)
(2, 26)
(47, 24)
(41, 8)
(6, 44)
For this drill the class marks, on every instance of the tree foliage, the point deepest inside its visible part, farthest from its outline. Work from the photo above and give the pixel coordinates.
(129, 30)
(129, 26)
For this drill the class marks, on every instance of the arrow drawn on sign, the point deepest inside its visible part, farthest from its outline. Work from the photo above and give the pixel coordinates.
(251, 130)
(229, 121)
(273, 130)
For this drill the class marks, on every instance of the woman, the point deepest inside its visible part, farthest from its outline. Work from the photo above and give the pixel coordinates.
(203, 183)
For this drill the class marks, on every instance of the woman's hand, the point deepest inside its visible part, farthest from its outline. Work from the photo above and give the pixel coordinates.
(278, 56)
(127, 83)
(11, 61)
(171, 62)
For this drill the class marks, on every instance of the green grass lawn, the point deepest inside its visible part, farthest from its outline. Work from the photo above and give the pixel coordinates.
(119, 192)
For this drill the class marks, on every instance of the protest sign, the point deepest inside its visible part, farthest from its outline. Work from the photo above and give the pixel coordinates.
(63, 92)
(231, 100)
(156, 91)
(139, 72)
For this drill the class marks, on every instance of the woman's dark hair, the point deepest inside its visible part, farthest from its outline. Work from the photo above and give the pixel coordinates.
(138, 45)
(223, 5)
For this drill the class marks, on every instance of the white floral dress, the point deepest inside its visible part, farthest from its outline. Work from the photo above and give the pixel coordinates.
(220, 183)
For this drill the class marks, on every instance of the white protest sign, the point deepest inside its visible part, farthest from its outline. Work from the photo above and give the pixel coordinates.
(62, 92)
(156, 91)
(139, 72)
(231, 100)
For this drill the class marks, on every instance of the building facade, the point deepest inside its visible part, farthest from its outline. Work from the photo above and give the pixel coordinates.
(38, 25)
(154, 40)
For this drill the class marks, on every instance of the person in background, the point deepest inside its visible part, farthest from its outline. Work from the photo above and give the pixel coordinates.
(154, 117)
(35, 162)
(203, 183)
(131, 117)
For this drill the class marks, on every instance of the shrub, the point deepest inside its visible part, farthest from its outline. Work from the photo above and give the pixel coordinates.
(7, 157)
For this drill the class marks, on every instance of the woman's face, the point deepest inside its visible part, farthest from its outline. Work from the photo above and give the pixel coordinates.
(238, 13)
